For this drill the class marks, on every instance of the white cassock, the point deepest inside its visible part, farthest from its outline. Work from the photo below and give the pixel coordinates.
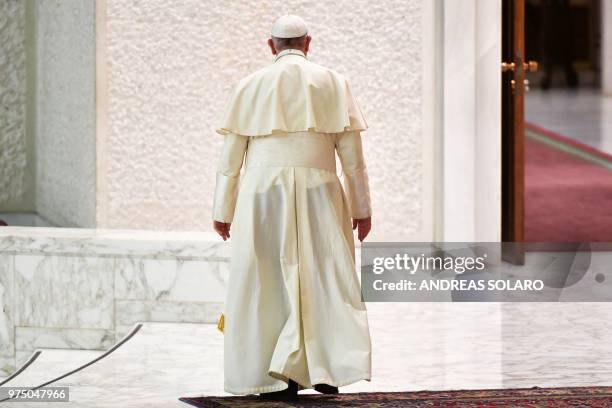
(293, 307)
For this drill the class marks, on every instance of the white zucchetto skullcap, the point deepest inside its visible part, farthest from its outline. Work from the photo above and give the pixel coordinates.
(289, 26)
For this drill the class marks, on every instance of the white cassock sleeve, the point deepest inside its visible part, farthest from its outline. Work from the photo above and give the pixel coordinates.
(348, 146)
(228, 176)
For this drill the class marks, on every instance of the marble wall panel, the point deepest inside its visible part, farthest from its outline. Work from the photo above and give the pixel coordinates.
(64, 292)
(170, 280)
(7, 334)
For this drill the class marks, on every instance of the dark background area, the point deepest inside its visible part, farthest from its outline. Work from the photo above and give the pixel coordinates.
(564, 36)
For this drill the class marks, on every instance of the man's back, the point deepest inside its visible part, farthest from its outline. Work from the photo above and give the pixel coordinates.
(291, 95)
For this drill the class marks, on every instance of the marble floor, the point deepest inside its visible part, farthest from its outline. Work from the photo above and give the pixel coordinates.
(583, 114)
(416, 346)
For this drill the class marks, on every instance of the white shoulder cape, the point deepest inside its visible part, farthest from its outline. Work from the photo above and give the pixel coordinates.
(291, 95)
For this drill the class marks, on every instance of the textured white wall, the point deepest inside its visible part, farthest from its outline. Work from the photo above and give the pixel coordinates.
(65, 136)
(13, 152)
(171, 66)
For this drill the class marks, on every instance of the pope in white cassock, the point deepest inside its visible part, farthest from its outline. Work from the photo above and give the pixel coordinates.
(293, 314)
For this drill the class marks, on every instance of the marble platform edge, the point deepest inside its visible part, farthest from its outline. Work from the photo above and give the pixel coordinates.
(130, 312)
(33, 338)
(81, 242)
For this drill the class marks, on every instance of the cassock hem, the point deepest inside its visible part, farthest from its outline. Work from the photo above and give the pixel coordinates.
(257, 390)
(284, 386)
(328, 381)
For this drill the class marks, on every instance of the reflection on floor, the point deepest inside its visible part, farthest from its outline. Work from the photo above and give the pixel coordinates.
(584, 115)
(416, 346)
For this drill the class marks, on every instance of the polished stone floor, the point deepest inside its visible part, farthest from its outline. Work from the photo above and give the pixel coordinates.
(583, 114)
(416, 346)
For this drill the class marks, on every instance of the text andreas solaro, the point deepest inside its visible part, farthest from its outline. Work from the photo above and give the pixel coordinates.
(438, 272)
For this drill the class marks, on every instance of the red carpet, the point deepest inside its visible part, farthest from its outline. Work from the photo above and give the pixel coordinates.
(593, 397)
(567, 198)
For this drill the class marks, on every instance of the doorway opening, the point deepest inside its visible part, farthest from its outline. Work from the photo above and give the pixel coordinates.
(564, 150)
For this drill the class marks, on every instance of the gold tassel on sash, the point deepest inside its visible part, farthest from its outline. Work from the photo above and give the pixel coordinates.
(221, 323)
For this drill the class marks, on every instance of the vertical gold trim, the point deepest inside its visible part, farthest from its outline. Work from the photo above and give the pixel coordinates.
(101, 114)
